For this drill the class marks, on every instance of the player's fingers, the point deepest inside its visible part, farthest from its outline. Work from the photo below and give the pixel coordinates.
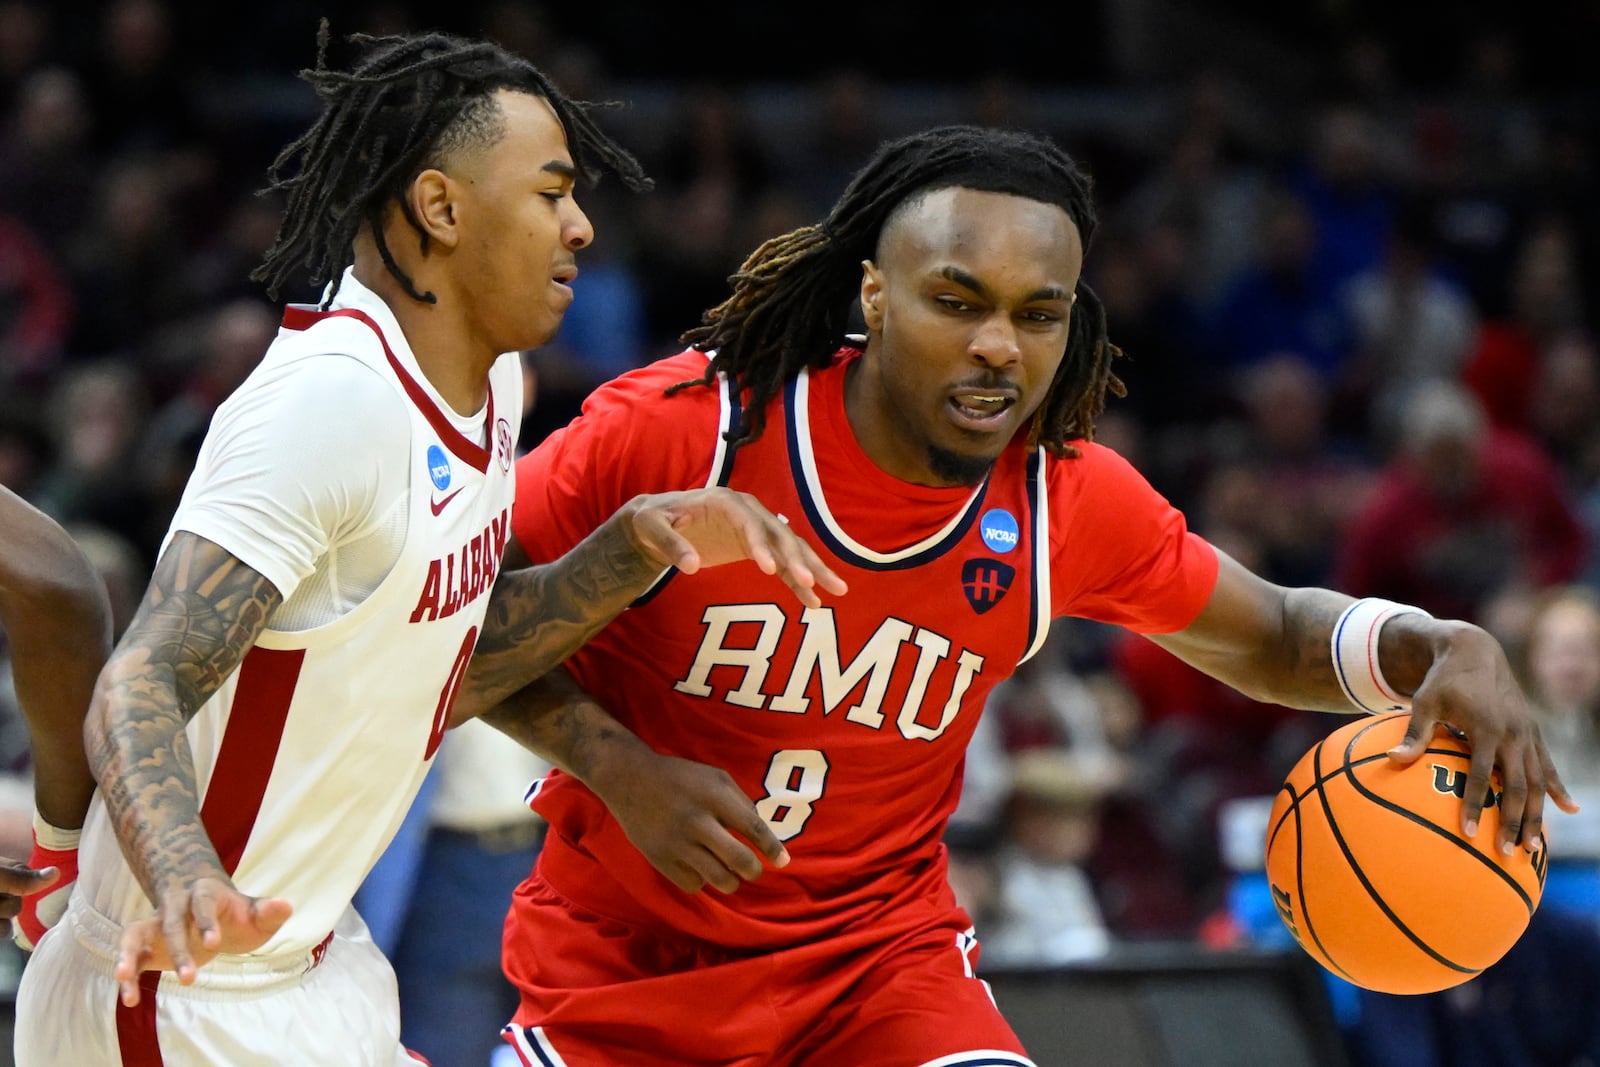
(203, 915)
(1479, 774)
(269, 914)
(1419, 731)
(133, 953)
(684, 876)
(1532, 836)
(1516, 805)
(654, 532)
(1553, 785)
(733, 856)
(749, 823)
(712, 870)
(21, 880)
(175, 930)
(800, 560)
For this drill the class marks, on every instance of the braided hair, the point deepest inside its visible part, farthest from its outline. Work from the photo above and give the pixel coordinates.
(407, 104)
(792, 297)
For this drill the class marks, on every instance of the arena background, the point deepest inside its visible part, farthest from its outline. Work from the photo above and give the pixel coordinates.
(137, 132)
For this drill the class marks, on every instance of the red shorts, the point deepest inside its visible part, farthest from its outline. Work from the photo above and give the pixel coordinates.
(599, 993)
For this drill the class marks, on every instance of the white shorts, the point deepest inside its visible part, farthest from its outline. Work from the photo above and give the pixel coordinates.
(335, 1008)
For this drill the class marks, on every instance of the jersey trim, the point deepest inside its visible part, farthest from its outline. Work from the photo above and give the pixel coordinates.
(1039, 589)
(249, 749)
(137, 1040)
(802, 460)
(298, 317)
(721, 471)
(533, 1048)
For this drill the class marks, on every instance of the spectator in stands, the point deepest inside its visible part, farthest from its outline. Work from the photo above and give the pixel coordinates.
(35, 310)
(1314, 470)
(1546, 305)
(1562, 676)
(1284, 300)
(97, 414)
(1462, 510)
(1048, 912)
(1412, 323)
(47, 156)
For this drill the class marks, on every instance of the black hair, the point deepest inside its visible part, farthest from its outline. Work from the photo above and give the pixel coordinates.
(793, 296)
(407, 102)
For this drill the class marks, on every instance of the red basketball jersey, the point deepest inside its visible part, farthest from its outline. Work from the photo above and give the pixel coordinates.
(847, 724)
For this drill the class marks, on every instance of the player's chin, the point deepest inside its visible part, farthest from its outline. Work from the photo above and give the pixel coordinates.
(961, 466)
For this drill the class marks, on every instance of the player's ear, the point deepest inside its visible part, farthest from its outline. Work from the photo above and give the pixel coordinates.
(431, 203)
(871, 295)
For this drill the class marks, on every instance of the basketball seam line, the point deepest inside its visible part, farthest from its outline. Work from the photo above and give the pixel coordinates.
(1356, 867)
(1361, 875)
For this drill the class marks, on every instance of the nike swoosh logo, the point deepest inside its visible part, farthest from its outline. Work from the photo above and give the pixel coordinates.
(439, 505)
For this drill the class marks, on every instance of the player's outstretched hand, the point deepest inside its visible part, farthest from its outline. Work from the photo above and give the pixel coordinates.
(1471, 688)
(692, 822)
(709, 527)
(18, 880)
(192, 928)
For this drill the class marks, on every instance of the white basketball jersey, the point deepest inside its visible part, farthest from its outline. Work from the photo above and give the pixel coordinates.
(308, 756)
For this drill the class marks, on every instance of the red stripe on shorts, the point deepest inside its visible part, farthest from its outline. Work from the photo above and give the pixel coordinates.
(267, 679)
(136, 1027)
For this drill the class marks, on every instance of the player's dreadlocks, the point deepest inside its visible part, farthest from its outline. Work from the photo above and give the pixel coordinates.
(792, 297)
(407, 103)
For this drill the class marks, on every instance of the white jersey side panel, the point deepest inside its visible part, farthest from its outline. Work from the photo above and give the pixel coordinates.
(309, 755)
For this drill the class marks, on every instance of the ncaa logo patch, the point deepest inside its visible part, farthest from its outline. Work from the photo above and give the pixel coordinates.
(985, 581)
(438, 467)
(999, 530)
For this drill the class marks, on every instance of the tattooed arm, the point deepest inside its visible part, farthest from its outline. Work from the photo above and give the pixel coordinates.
(690, 820)
(683, 816)
(1275, 644)
(201, 614)
(538, 616)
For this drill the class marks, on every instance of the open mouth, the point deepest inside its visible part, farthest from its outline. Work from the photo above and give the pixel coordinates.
(981, 410)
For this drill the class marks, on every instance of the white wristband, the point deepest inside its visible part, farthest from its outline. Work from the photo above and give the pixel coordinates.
(1355, 655)
(54, 837)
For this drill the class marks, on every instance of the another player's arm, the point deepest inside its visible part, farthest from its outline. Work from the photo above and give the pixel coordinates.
(1274, 644)
(202, 612)
(681, 815)
(538, 616)
(690, 820)
(57, 619)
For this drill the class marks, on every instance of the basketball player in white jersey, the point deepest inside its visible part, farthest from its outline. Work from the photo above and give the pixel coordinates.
(57, 621)
(262, 727)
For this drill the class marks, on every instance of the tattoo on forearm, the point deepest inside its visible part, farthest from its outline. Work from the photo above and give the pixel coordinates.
(557, 722)
(201, 614)
(539, 616)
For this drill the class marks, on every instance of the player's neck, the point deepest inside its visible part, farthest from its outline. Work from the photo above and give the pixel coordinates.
(455, 362)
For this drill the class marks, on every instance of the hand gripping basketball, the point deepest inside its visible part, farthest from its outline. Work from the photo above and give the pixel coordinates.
(1371, 870)
(52, 847)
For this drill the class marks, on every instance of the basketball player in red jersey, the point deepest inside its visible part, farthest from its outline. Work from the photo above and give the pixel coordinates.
(57, 620)
(261, 728)
(946, 464)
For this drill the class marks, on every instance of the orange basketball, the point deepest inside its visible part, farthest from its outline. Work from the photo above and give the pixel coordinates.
(1369, 870)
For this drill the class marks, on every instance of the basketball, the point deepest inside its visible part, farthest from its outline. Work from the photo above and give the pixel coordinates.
(1371, 874)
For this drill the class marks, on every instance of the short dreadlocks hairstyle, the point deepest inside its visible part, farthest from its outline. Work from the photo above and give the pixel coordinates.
(407, 103)
(793, 296)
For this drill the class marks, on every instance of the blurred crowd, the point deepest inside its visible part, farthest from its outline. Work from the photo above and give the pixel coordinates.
(1359, 327)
